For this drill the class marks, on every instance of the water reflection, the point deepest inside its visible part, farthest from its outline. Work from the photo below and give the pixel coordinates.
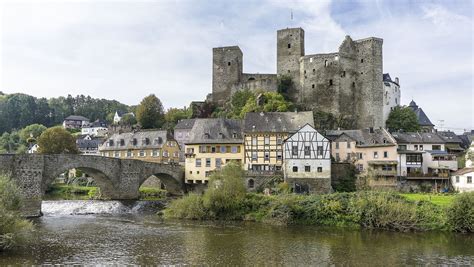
(145, 240)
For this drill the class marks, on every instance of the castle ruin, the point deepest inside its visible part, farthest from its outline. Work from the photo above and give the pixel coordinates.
(347, 83)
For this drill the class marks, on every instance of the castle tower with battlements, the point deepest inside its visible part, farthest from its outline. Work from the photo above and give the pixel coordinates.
(347, 83)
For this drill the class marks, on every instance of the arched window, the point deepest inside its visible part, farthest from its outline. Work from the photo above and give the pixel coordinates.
(251, 79)
(251, 183)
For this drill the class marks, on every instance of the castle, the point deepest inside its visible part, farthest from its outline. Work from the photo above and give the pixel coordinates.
(348, 83)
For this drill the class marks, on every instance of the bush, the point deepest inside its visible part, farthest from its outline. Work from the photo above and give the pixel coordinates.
(460, 214)
(13, 228)
(151, 193)
(188, 207)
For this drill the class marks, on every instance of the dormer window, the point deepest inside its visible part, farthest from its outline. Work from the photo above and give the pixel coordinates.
(111, 142)
(134, 141)
(206, 136)
(160, 140)
(145, 141)
(234, 135)
(122, 142)
(221, 135)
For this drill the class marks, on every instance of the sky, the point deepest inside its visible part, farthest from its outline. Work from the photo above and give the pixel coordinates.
(126, 50)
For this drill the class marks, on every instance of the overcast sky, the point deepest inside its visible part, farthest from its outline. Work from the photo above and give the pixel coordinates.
(125, 50)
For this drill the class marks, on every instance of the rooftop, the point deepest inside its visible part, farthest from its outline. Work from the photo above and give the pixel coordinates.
(364, 137)
(277, 122)
(418, 138)
(216, 130)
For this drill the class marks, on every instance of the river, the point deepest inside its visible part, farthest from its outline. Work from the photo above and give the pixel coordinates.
(96, 232)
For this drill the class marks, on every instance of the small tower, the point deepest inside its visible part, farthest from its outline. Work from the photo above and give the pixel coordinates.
(226, 71)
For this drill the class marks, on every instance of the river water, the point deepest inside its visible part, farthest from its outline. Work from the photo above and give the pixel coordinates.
(95, 232)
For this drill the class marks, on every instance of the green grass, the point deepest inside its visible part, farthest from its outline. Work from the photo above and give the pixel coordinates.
(443, 200)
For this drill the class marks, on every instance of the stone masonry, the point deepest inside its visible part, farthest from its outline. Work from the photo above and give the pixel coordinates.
(117, 178)
(347, 83)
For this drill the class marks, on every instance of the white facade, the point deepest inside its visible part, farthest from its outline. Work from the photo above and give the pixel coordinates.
(33, 149)
(424, 158)
(307, 154)
(462, 180)
(94, 131)
(117, 117)
(391, 96)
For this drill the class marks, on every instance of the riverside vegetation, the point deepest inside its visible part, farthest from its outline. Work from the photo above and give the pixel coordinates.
(13, 228)
(226, 199)
(71, 192)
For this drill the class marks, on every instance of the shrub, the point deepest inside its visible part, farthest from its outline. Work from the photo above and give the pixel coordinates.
(150, 193)
(188, 207)
(13, 228)
(460, 214)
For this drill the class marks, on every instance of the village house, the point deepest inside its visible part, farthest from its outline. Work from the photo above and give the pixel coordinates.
(307, 161)
(147, 145)
(423, 159)
(372, 151)
(88, 144)
(75, 122)
(264, 133)
(462, 180)
(212, 144)
(97, 128)
(182, 134)
(454, 144)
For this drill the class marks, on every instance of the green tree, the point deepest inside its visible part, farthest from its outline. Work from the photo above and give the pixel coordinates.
(57, 140)
(238, 101)
(32, 131)
(284, 86)
(402, 119)
(269, 102)
(10, 142)
(173, 115)
(150, 112)
(128, 119)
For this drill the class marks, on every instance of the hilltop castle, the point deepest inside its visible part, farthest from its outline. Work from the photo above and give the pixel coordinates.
(348, 83)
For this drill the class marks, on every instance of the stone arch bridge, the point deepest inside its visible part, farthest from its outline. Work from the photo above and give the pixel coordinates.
(118, 179)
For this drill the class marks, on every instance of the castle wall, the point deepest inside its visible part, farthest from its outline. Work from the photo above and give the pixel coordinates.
(227, 67)
(254, 82)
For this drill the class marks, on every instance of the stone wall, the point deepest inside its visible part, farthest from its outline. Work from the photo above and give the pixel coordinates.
(313, 185)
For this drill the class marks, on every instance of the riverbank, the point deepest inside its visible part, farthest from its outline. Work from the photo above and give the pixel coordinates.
(75, 192)
(372, 210)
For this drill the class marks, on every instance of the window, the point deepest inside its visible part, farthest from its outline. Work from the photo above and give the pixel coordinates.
(111, 142)
(267, 155)
(254, 155)
(385, 154)
(198, 162)
(289, 46)
(142, 153)
(312, 86)
(320, 150)
(207, 173)
(279, 140)
(359, 155)
(320, 169)
(190, 172)
(117, 154)
(307, 150)
(314, 70)
(386, 167)
(218, 163)
(213, 149)
(250, 183)
(134, 141)
(416, 147)
(330, 82)
(122, 142)
(421, 147)
(348, 156)
(228, 63)
(307, 168)
(223, 149)
(254, 140)
(295, 169)
(165, 154)
(267, 140)
(208, 162)
(325, 63)
(235, 149)
(361, 60)
(469, 179)
(279, 155)
(376, 155)
(343, 74)
(337, 157)
(436, 147)
(402, 147)
(360, 167)
(129, 153)
(348, 144)
(294, 150)
(457, 179)
(337, 145)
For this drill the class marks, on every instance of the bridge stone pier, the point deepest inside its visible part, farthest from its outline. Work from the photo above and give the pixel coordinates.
(118, 179)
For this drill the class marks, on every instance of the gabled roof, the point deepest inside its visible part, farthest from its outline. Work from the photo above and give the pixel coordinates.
(76, 118)
(159, 135)
(306, 128)
(464, 171)
(277, 122)
(364, 137)
(216, 130)
(450, 137)
(418, 138)
(387, 78)
(185, 124)
(423, 120)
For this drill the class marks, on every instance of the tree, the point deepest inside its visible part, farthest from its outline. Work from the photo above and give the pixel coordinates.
(402, 119)
(9, 142)
(238, 101)
(284, 86)
(173, 115)
(128, 119)
(269, 102)
(150, 112)
(57, 140)
(32, 131)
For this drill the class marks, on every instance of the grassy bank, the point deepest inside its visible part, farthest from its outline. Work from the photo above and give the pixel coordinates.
(443, 200)
(74, 192)
(226, 199)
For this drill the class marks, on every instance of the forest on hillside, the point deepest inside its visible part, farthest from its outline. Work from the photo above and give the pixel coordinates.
(20, 110)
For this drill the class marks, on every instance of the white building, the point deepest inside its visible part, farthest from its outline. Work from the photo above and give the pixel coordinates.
(97, 128)
(118, 116)
(307, 161)
(462, 180)
(391, 95)
(33, 149)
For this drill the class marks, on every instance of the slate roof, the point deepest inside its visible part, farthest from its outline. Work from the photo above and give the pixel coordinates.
(185, 124)
(450, 137)
(277, 122)
(217, 130)
(156, 139)
(466, 141)
(423, 120)
(418, 138)
(364, 137)
(76, 118)
(88, 144)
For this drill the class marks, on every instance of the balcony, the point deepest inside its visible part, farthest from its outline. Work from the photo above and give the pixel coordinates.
(189, 155)
(429, 175)
(263, 173)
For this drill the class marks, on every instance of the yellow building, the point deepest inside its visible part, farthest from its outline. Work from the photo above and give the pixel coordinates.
(264, 134)
(212, 144)
(147, 145)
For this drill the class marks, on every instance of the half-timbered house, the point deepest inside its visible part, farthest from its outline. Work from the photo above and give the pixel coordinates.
(307, 161)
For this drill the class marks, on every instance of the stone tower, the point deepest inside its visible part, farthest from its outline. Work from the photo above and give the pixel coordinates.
(290, 48)
(226, 71)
